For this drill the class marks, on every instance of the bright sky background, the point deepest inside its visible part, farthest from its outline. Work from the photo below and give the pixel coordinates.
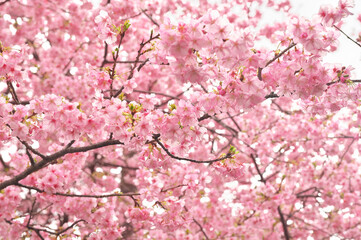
(348, 53)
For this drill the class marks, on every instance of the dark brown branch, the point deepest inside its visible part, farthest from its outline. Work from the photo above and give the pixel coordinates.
(171, 188)
(79, 195)
(28, 147)
(1, 3)
(50, 158)
(176, 97)
(71, 226)
(271, 95)
(259, 74)
(74, 54)
(284, 224)
(306, 190)
(347, 149)
(142, 64)
(205, 116)
(201, 228)
(30, 157)
(307, 196)
(150, 18)
(20, 103)
(347, 35)
(105, 55)
(135, 65)
(353, 81)
(97, 196)
(5, 166)
(156, 138)
(37, 231)
(271, 176)
(115, 58)
(157, 93)
(281, 109)
(12, 92)
(129, 61)
(257, 168)
(235, 123)
(224, 125)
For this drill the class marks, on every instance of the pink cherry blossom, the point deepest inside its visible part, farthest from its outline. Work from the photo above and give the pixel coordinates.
(178, 120)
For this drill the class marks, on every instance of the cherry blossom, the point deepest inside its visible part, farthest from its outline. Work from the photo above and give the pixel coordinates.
(177, 120)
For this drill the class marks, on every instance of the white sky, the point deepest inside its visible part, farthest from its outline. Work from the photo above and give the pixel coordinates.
(348, 53)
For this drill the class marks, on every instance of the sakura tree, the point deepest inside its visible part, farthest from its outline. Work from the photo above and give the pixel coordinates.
(175, 119)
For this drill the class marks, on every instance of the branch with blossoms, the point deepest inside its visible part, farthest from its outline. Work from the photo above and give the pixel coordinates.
(4, 2)
(259, 74)
(56, 233)
(347, 35)
(144, 11)
(201, 228)
(115, 59)
(78, 195)
(282, 218)
(156, 138)
(33, 227)
(140, 53)
(11, 89)
(5, 166)
(284, 224)
(46, 159)
(135, 62)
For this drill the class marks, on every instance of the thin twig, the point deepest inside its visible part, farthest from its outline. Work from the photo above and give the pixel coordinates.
(284, 224)
(150, 18)
(157, 93)
(259, 74)
(171, 188)
(50, 158)
(105, 55)
(347, 81)
(115, 58)
(235, 123)
(30, 157)
(79, 195)
(156, 138)
(27, 146)
(347, 35)
(12, 91)
(201, 228)
(347, 149)
(5, 166)
(71, 226)
(4, 2)
(281, 109)
(257, 168)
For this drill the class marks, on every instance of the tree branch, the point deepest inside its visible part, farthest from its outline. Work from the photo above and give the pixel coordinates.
(79, 195)
(284, 224)
(257, 168)
(156, 138)
(12, 92)
(201, 228)
(71, 226)
(347, 35)
(5, 166)
(347, 149)
(259, 74)
(1, 3)
(150, 18)
(47, 159)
